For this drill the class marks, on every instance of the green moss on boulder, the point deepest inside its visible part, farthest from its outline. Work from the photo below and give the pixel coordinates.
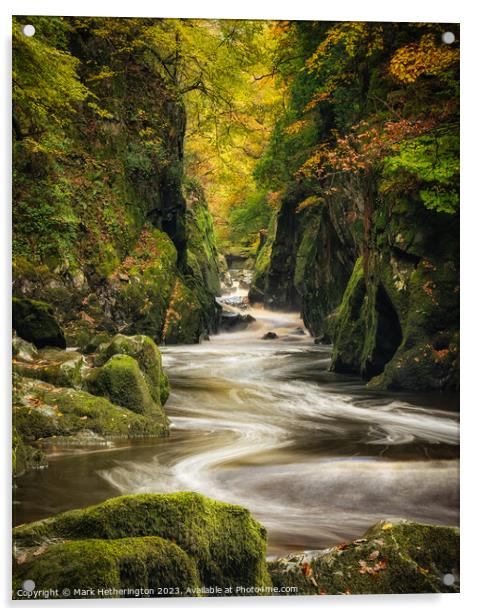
(129, 563)
(396, 556)
(35, 322)
(226, 543)
(123, 383)
(148, 356)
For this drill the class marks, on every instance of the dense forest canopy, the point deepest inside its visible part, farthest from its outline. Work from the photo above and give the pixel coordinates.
(290, 103)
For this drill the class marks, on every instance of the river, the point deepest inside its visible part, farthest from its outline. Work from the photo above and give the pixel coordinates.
(315, 456)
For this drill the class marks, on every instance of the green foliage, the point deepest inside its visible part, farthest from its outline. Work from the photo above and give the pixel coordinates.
(433, 161)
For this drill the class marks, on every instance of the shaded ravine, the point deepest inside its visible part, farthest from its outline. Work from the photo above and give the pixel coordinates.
(315, 456)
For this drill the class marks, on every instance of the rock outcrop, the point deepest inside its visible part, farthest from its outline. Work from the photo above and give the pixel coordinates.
(109, 233)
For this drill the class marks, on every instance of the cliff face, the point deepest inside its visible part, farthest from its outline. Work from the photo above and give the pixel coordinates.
(393, 310)
(101, 227)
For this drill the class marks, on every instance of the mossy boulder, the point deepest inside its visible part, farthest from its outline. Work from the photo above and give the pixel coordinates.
(226, 543)
(61, 368)
(35, 322)
(148, 356)
(107, 566)
(121, 380)
(396, 556)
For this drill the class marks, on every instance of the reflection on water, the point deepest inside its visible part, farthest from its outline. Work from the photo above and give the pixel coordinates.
(314, 456)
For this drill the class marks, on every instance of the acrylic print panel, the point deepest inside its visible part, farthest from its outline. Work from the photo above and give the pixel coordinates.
(235, 307)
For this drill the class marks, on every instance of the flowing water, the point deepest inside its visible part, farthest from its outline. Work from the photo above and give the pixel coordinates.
(315, 456)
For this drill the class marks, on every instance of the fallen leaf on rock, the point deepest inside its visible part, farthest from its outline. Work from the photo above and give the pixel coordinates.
(387, 526)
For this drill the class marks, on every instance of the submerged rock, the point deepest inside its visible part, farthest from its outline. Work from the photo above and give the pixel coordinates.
(185, 535)
(396, 556)
(270, 336)
(35, 322)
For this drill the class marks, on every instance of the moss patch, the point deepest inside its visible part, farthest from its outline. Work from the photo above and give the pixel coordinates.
(148, 356)
(123, 383)
(130, 563)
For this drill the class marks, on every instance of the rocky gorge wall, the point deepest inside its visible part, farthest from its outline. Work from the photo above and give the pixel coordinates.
(391, 308)
(108, 232)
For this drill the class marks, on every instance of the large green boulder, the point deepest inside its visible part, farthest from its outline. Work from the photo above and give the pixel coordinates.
(226, 543)
(35, 322)
(396, 556)
(106, 569)
(147, 354)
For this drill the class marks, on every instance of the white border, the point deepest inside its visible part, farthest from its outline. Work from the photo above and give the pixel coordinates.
(363, 10)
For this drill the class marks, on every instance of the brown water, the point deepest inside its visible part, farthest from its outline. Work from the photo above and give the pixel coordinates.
(315, 456)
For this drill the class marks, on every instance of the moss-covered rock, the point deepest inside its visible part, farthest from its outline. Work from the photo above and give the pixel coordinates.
(106, 566)
(121, 380)
(394, 556)
(35, 322)
(148, 356)
(226, 543)
(61, 368)
(42, 411)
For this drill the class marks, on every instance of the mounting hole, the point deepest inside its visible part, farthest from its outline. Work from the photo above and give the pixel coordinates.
(28, 585)
(448, 37)
(28, 30)
(448, 579)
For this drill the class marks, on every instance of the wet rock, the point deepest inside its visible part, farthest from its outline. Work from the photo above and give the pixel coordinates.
(299, 331)
(396, 556)
(237, 301)
(233, 321)
(35, 322)
(270, 336)
(42, 412)
(324, 339)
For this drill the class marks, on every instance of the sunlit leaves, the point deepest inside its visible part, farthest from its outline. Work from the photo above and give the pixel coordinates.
(422, 58)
